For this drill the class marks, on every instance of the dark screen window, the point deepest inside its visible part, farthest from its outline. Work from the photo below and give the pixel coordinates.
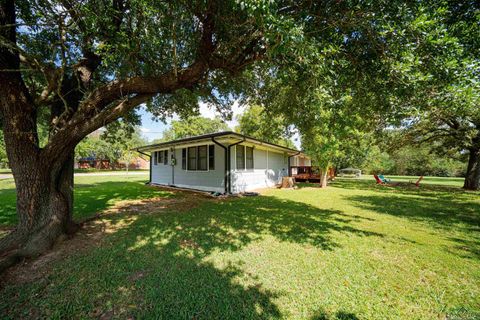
(160, 156)
(249, 157)
(211, 157)
(155, 158)
(184, 158)
(192, 158)
(240, 157)
(165, 157)
(202, 158)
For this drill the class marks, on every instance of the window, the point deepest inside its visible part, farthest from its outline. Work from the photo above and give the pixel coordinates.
(244, 157)
(240, 157)
(211, 157)
(192, 158)
(202, 158)
(184, 158)
(160, 156)
(249, 157)
(155, 161)
(165, 157)
(198, 158)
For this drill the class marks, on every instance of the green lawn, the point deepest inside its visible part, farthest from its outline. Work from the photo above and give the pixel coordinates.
(92, 194)
(352, 251)
(447, 181)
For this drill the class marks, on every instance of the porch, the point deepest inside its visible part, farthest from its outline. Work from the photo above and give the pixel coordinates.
(308, 173)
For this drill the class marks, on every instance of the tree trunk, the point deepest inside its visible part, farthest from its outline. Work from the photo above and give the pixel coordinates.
(323, 177)
(472, 178)
(44, 209)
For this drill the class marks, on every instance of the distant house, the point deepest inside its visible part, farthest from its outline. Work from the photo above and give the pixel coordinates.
(105, 164)
(224, 162)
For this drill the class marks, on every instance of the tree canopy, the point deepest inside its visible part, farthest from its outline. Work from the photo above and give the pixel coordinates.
(115, 144)
(193, 126)
(257, 123)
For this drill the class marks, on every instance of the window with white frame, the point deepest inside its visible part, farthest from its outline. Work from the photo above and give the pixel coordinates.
(202, 158)
(160, 157)
(198, 158)
(192, 158)
(244, 157)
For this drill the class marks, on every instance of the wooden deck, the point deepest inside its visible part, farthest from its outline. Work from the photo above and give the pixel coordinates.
(308, 173)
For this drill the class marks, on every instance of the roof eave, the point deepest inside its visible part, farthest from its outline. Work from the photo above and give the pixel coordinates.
(225, 134)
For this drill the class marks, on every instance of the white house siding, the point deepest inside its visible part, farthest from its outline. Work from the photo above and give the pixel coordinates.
(161, 173)
(269, 167)
(211, 180)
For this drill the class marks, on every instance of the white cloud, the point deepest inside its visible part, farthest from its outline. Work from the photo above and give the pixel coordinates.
(209, 111)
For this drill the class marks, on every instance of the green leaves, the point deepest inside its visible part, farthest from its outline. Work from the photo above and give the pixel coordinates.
(193, 126)
(256, 122)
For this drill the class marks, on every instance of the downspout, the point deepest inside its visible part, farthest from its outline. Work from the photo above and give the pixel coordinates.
(150, 171)
(172, 159)
(225, 179)
(289, 166)
(229, 164)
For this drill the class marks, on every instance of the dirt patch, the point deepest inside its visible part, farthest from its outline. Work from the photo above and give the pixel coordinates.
(93, 232)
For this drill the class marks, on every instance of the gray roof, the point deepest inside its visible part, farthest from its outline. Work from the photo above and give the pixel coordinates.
(224, 134)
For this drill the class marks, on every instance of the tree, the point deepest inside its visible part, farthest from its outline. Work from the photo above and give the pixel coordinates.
(257, 123)
(193, 126)
(85, 65)
(443, 69)
(116, 144)
(420, 71)
(3, 151)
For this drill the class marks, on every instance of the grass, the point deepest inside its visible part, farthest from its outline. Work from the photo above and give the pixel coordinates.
(445, 181)
(94, 170)
(352, 251)
(92, 195)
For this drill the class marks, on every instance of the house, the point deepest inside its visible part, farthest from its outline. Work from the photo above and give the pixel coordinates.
(224, 162)
(92, 162)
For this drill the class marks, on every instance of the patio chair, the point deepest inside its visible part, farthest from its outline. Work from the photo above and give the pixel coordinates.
(379, 181)
(417, 184)
(384, 180)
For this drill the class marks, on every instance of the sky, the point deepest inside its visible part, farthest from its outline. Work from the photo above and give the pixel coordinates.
(152, 129)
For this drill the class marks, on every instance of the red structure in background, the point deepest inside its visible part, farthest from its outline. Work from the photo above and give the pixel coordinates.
(87, 163)
(105, 164)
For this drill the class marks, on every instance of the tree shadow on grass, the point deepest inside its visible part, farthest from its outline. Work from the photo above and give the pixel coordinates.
(404, 188)
(232, 224)
(443, 213)
(339, 315)
(156, 264)
(447, 213)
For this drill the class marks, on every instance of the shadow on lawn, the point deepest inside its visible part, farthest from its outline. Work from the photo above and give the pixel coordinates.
(172, 247)
(156, 264)
(445, 210)
(403, 188)
(339, 315)
(440, 211)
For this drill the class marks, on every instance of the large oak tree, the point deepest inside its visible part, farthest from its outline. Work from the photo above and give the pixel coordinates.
(75, 66)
